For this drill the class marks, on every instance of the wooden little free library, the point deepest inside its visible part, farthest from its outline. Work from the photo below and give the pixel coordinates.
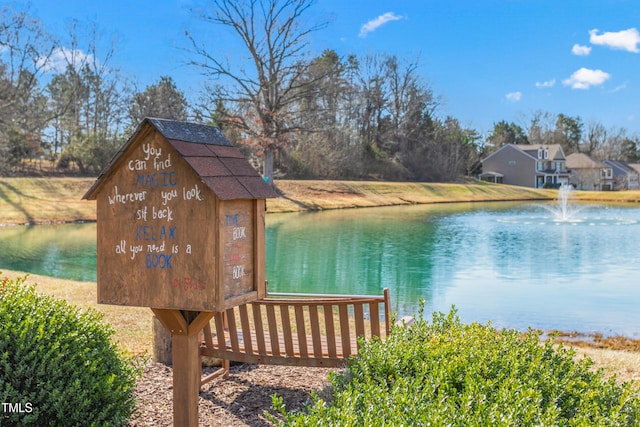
(180, 229)
(180, 221)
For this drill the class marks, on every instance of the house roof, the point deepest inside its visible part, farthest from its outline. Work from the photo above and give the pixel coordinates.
(635, 166)
(220, 165)
(620, 167)
(582, 161)
(555, 150)
(531, 150)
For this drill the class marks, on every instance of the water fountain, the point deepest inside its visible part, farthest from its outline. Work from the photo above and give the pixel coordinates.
(565, 212)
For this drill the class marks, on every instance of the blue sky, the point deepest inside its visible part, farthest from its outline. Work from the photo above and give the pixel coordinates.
(487, 60)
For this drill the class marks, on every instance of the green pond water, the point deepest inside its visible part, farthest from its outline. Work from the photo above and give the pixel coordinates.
(514, 264)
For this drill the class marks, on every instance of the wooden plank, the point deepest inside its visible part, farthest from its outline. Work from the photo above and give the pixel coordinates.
(374, 318)
(301, 331)
(358, 314)
(315, 330)
(186, 380)
(330, 330)
(246, 328)
(238, 248)
(218, 249)
(240, 300)
(344, 330)
(387, 311)
(286, 330)
(233, 331)
(273, 330)
(220, 333)
(259, 257)
(257, 321)
(173, 320)
(199, 322)
(208, 338)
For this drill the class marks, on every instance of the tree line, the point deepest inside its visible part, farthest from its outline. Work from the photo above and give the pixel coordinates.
(293, 114)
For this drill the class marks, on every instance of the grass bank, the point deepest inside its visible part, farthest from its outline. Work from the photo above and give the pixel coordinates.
(56, 200)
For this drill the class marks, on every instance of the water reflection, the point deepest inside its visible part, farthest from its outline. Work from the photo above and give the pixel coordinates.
(67, 251)
(508, 263)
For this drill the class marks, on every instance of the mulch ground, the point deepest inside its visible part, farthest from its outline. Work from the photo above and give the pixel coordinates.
(240, 400)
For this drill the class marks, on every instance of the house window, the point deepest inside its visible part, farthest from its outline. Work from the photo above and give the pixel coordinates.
(607, 173)
(558, 166)
(540, 166)
(539, 153)
(546, 153)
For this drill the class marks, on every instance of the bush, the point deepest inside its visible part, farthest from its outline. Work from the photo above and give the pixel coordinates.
(58, 365)
(449, 373)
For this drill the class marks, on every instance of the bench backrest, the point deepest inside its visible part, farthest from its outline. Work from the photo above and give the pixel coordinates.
(297, 329)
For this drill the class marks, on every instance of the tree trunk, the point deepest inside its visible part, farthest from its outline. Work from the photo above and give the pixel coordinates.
(162, 343)
(268, 165)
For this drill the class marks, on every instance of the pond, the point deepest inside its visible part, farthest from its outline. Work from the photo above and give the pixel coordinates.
(512, 264)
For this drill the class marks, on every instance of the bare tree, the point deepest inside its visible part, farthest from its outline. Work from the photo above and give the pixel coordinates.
(25, 50)
(89, 100)
(264, 92)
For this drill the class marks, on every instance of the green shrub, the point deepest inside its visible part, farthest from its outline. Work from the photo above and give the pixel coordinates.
(454, 374)
(58, 365)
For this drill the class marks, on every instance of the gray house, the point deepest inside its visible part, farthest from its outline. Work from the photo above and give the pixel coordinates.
(626, 177)
(531, 165)
(589, 174)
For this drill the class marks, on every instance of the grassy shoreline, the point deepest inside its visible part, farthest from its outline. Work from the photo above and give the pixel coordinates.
(58, 200)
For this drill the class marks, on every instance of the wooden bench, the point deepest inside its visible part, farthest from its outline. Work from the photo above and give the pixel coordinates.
(300, 330)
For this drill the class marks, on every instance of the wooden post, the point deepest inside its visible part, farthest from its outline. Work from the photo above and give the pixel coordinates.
(186, 380)
(185, 327)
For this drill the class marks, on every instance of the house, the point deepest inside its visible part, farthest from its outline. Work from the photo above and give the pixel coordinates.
(180, 221)
(625, 176)
(528, 165)
(589, 174)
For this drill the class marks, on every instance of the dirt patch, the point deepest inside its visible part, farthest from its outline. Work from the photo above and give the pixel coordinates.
(240, 400)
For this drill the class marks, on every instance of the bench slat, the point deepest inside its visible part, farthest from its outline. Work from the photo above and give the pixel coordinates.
(374, 317)
(344, 329)
(259, 329)
(358, 314)
(286, 330)
(301, 330)
(233, 331)
(273, 331)
(315, 331)
(330, 330)
(246, 327)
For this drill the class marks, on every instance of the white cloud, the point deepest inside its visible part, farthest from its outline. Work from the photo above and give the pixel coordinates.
(618, 88)
(514, 96)
(548, 83)
(580, 50)
(584, 78)
(624, 40)
(374, 24)
(61, 57)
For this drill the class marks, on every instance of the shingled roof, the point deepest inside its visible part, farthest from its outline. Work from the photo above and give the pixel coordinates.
(220, 165)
